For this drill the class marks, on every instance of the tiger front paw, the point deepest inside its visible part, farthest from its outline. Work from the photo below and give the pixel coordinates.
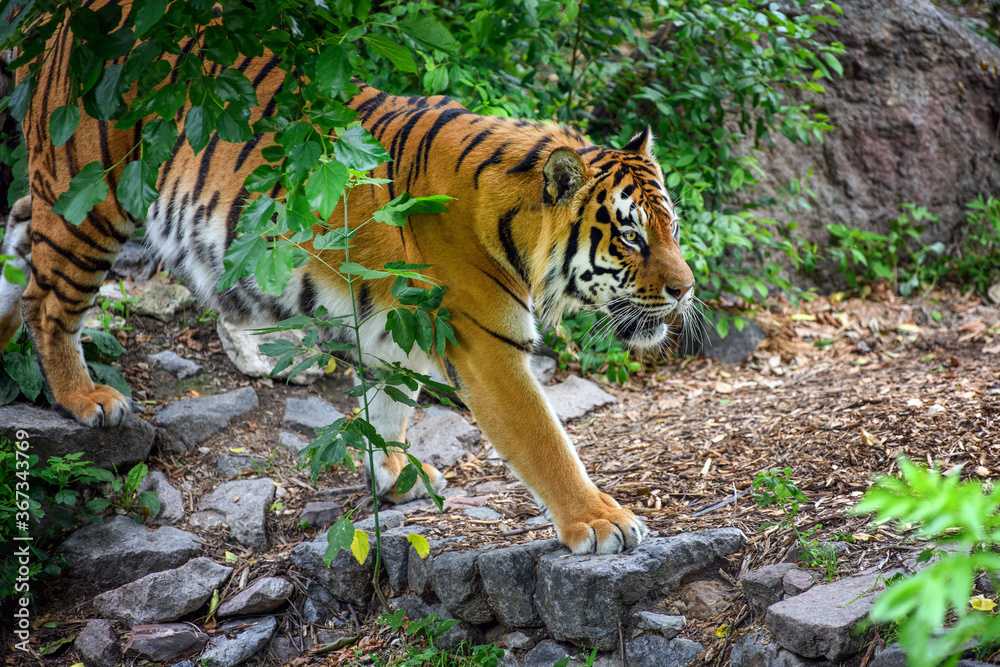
(102, 406)
(600, 526)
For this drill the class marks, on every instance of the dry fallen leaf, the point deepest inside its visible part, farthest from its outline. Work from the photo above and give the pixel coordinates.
(914, 403)
(723, 388)
(868, 439)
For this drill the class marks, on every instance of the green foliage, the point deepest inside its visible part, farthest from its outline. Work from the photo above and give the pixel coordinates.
(584, 338)
(428, 631)
(21, 375)
(29, 493)
(124, 494)
(908, 264)
(776, 488)
(962, 519)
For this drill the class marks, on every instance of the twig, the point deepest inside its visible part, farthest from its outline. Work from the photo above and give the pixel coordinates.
(526, 529)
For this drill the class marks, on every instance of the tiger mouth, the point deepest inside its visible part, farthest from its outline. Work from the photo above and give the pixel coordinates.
(633, 325)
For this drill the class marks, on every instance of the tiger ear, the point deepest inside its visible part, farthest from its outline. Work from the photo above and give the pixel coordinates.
(641, 143)
(564, 174)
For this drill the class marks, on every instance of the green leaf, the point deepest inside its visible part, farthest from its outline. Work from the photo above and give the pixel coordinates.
(262, 179)
(299, 215)
(403, 326)
(110, 376)
(360, 546)
(340, 536)
(359, 150)
(232, 124)
(105, 342)
(241, 259)
(62, 123)
(429, 32)
(109, 91)
(150, 501)
(137, 188)
(257, 217)
(220, 48)
(20, 100)
(424, 330)
(398, 55)
(333, 70)
(407, 477)
(572, 11)
(169, 99)
(198, 127)
(147, 14)
(274, 269)
(833, 63)
(301, 160)
(396, 212)
(13, 275)
(400, 397)
(135, 476)
(326, 186)
(232, 86)
(24, 371)
(159, 137)
(86, 190)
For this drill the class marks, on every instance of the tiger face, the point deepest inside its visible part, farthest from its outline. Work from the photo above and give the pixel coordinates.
(621, 254)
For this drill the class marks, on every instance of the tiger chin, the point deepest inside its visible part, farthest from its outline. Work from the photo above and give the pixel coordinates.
(542, 221)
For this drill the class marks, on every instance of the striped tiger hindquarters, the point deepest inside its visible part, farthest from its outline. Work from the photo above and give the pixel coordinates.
(541, 221)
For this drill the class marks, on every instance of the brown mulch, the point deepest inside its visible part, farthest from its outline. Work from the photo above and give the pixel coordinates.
(837, 392)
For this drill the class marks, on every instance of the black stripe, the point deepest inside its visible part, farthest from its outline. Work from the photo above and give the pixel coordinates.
(529, 160)
(506, 235)
(205, 166)
(572, 244)
(364, 302)
(307, 295)
(478, 139)
(452, 373)
(493, 159)
(446, 117)
(524, 347)
(82, 263)
(505, 289)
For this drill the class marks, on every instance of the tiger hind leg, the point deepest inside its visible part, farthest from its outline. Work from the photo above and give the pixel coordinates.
(17, 246)
(68, 266)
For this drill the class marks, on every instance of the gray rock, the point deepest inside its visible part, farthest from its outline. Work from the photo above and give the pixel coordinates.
(171, 501)
(668, 626)
(230, 466)
(396, 554)
(345, 579)
(263, 595)
(134, 261)
(292, 442)
(120, 551)
(582, 599)
(755, 649)
(283, 650)
(459, 586)
(574, 397)
(414, 608)
(654, 651)
(542, 367)
(189, 422)
(821, 622)
(243, 349)
(764, 586)
(518, 641)
(244, 504)
(97, 644)
(509, 581)
(207, 521)
(164, 596)
(388, 519)
(183, 663)
(454, 637)
(418, 572)
(234, 647)
(547, 653)
(164, 642)
(733, 349)
(308, 415)
(319, 607)
(153, 298)
(893, 656)
(482, 514)
(442, 437)
(320, 515)
(175, 364)
(52, 434)
(797, 581)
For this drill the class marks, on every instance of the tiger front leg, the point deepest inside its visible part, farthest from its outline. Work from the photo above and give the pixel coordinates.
(512, 410)
(66, 276)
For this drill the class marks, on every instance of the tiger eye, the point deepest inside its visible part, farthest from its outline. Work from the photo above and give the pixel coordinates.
(631, 236)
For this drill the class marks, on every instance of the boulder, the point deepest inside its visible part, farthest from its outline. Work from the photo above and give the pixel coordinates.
(320, 514)
(244, 505)
(667, 626)
(164, 642)
(292, 442)
(228, 649)
(164, 596)
(574, 397)
(121, 550)
(582, 599)
(543, 367)
(655, 651)
(263, 595)
(175, 364)
(319, 607)
(509, 580)
(52, 434)
(153, 298)
(442, 437)
(134, 261)
(97, 644)
(460, 588)
(765, 585)
(171, 501)
(189, 422)
(733, 349)
(345, 578)
(230, 466)
(308, 415)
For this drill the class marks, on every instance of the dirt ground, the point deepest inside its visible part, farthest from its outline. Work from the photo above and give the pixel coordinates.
(840, 389)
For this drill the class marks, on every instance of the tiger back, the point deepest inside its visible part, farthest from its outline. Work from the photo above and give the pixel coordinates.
(541, 221)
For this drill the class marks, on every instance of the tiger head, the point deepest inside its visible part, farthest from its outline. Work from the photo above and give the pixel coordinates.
(620, 251)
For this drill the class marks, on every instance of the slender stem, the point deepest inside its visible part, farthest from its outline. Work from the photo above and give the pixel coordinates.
(370, 450)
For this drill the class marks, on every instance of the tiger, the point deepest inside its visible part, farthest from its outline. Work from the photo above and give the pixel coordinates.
(541, 222)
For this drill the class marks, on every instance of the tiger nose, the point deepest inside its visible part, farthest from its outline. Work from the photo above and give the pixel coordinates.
(680, 291)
